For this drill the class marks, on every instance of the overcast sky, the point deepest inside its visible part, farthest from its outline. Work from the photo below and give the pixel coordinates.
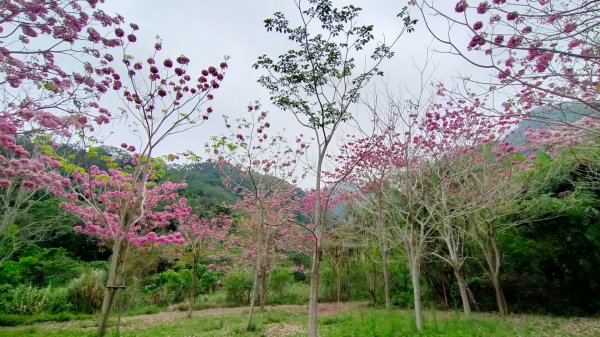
(206, 30)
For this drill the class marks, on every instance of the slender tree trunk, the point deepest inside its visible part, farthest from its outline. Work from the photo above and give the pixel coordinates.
(263, 289)
(314, 290)
(386, 276)
(384, 252)
(110, 289)
(500, 299)
(415, 272)
(338, 284)
(462, 287)
(255, 288)
(491, 252)
(192, 294)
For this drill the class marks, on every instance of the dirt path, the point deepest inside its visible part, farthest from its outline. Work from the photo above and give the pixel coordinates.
(166, 317)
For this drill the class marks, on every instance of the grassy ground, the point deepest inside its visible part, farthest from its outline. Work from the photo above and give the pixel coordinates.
(341, 320)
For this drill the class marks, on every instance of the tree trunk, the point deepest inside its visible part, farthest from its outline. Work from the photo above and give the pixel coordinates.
(254, 295)
(462, 287)
(338, 284)
(384, 252)
(500, 299)
(415, 272)
(491, 252)
(314, 290)
(192, 294)
(110, 289)
(386, 277)
(263, 289)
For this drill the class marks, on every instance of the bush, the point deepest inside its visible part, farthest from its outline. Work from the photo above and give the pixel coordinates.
(40, 267)
(26, 299)
(86, 292)
(238, 287)
(280, 279)
(207, 280)
(169, 287)
(59, 301)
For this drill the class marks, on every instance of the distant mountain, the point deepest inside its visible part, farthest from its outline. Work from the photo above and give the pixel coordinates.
(548, 116)
(205, 185)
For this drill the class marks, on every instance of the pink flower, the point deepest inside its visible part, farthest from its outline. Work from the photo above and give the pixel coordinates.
(478, 25)
(574, 43)
(183, 60)
(483, 7)
(461, 6)
(512, 16)
(514, 41)
(570, 27)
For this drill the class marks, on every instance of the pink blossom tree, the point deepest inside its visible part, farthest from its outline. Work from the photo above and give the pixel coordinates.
(43, 94)
(161, 100)
(539, 54)
(366, 163)
(203, 238)
(257, 166)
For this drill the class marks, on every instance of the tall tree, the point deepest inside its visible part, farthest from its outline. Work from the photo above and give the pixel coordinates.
(318, 82)
(161, 102)
(257, 164)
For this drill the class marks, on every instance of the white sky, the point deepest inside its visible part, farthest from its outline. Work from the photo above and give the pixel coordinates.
(206, 30)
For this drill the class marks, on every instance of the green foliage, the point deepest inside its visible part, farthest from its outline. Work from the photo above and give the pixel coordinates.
(294, 293)
(207, 279)
(85, 293)
(280, 279)
(238, 286)
(80, 295)
(169, 287)
(40, 267)
(26, 299)
(9, 319)
(205, 188)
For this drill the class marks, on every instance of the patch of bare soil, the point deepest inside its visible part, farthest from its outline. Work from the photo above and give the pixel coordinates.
(283, 330)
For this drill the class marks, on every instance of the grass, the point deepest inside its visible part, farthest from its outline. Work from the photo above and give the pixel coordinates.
(20, 319)
(290, 321)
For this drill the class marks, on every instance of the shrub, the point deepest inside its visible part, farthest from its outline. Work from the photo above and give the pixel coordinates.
(280, 279)
(41, 267)
(26, 299)
(237, 288)
(169, 287)
(86, 292)
(58, 301)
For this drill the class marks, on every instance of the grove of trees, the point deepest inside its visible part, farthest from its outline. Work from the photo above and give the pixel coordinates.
(478, 194)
